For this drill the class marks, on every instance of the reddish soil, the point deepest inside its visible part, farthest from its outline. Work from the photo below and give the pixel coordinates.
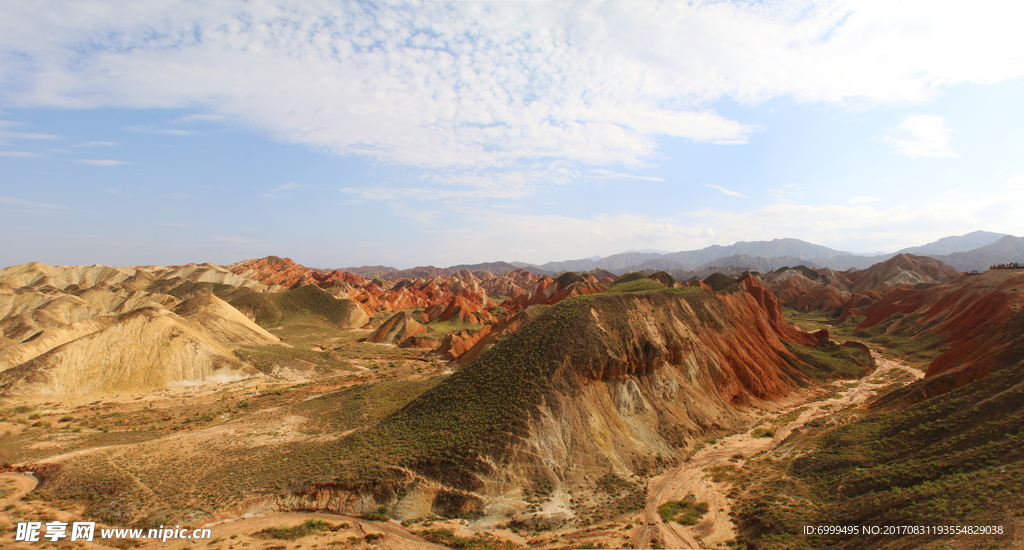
(976, 316)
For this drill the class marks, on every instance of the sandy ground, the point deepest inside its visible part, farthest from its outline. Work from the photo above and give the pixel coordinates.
(25, 485)
(716, 528)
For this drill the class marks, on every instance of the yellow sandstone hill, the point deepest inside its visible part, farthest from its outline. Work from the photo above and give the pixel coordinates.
(77, 329)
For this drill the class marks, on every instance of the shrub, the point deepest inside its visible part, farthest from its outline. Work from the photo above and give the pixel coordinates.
(380, 514)
(685, 512)
(291, 533)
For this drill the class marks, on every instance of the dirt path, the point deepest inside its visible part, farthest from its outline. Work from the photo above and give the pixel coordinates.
(716, 527)
(25, 485)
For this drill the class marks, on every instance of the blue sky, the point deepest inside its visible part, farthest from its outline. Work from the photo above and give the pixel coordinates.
(415, 133)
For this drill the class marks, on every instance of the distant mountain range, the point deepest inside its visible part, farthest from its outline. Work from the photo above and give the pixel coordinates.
(977, 250)
(951, 245)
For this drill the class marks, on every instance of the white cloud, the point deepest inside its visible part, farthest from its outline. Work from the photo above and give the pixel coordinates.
(20, 202)
(161, 131)
(471, 184)
(101, 162)
(576, 237)
(492, 84)
(922, 136)
(9, 134)
(726, 191)
(276, 192)
(600, 173)
(421, 215)
(1016, 181)
(862, 200)
(866, 227)
(19, 154)
(786, 193)
(97, 144)
(202, 118)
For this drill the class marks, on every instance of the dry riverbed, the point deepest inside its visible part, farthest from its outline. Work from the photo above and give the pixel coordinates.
(692, 479)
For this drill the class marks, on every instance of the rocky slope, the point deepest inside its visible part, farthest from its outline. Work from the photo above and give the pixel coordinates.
(902, 270)
(977, 319)
(396, 329)
(847, 293)
(805, 289)
(282, 273)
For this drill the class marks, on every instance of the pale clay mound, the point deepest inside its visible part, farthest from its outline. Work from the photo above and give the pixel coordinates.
(74, 329)
(151, 348)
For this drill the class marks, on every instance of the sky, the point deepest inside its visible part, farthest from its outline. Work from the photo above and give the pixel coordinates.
(450, 132)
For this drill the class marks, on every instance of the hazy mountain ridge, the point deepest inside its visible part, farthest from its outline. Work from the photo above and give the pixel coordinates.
(973, 251)
(759, 263)
(951, 245)
(1006, 249)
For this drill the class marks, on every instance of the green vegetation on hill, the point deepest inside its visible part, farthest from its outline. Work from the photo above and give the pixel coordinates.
(271, 308)
(664, 277)
(686, 511)
(629, 277)
(180, 289)
(481, 407)
(828, 361)
(720, 282)
(568, 278)
(914, 344)
(638, 282)
(637, 285)
(314, 300)
(259, 307)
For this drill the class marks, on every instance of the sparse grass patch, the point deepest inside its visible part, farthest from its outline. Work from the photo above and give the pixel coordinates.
(788, 417)
(828, 361)
(685, 512)
(720, 282)
(448, 538)
(762, 432)
(727, 473)
(908, 342)
(307, 527)
(446, 327)
(382, 513)
(637, 285)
